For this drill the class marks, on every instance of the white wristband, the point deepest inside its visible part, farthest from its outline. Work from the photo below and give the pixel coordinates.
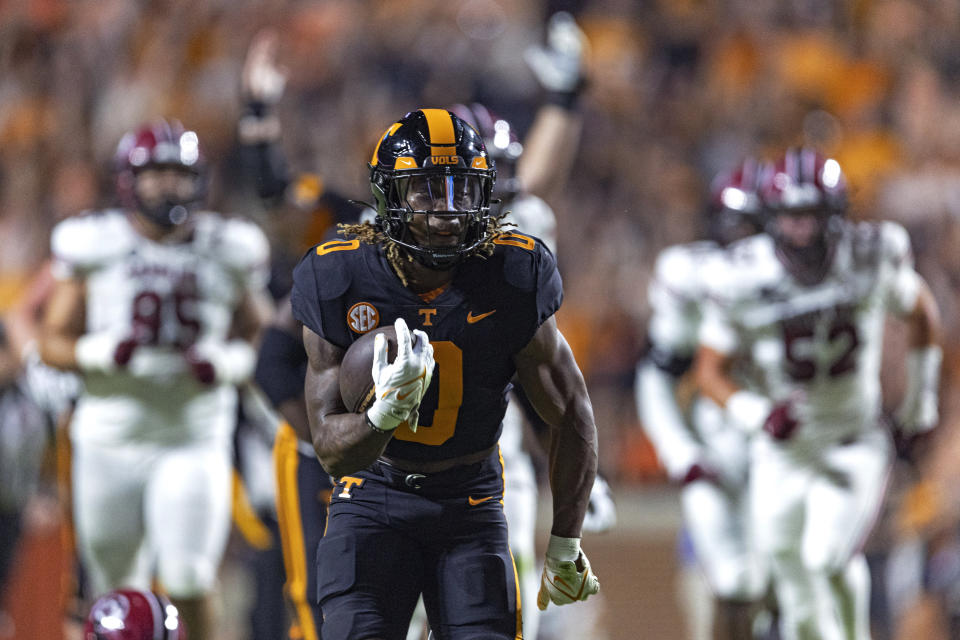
(748, 410)
(918, 411)
(233, 362)
(383, 417)
(923, 370)
(94, 352)
(563, 549)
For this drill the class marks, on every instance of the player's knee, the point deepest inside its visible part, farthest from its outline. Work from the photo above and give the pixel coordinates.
(188, 577)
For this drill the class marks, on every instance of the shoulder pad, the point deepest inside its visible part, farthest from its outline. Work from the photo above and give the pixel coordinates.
(523, 257)
(83, 242)
(336, 260)
(535, 218)
(239, 244)
(743, 267)
(323, 275)
(678, 268)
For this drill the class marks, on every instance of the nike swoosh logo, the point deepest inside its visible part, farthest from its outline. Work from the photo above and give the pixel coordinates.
(405, 162)
(475, 501)
(472, 318)
(401, 396)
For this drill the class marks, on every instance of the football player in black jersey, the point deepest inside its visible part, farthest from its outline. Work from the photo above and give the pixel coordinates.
(417, 505)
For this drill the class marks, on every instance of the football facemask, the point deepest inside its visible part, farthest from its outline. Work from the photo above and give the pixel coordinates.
(432, 185)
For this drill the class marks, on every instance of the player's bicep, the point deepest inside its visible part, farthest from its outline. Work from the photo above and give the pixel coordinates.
(322, 382)
(549, 374)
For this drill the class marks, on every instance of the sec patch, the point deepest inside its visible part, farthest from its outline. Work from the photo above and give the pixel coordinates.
(363, 317)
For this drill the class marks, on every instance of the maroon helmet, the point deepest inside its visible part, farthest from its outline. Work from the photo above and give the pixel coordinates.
(160, 145)
(129, 614)
(804, 197)
(500, 139)
(735, 207)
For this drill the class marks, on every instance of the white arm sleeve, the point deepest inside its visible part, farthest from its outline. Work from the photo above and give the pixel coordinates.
(662, 420)
(716, 329)
(902, 282)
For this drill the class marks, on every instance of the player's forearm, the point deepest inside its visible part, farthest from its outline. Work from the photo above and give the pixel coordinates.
(344, 443)
(59, 351)
(924, 325)
(549, 150)
(573, 467)
(662, 419)
(294, 412)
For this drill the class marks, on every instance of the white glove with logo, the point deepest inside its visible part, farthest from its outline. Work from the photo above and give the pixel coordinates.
(400, 385)
(567, 576)
(558, 66)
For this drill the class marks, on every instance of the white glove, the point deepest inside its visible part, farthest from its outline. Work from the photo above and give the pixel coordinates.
(218, 362)
(748, 411)
(263, 80)
(103, 352)
(400, 385)
(601, 511)
(918, 412)
(558, 66)
(567, 576)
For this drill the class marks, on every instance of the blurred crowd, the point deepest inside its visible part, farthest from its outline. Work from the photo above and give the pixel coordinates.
(677, 91)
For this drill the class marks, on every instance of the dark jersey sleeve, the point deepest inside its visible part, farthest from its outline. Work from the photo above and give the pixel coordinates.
(318, 285)
(530, 270)
(549, 285)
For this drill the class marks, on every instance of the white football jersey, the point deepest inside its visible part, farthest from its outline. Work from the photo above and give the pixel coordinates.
(676, 297)
(168, 295)
(818, 345)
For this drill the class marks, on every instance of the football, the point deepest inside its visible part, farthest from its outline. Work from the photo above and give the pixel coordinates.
(356, 379)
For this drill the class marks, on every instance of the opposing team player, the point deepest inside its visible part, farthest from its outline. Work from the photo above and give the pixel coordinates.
(805, 303)
(706, 456)
(417, 507)
(157, 306)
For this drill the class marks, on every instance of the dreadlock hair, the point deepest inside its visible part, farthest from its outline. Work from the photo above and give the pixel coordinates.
(370, 233)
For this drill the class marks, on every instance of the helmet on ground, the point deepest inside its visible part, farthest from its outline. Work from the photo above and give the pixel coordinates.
(432, 181)
(161, 145)
(804, 196)
(734, 210)
(131, 614)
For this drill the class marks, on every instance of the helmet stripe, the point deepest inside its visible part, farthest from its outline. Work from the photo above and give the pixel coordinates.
(386, 134)
(440, 127)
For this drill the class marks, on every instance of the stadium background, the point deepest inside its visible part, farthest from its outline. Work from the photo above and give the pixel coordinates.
(678, 89)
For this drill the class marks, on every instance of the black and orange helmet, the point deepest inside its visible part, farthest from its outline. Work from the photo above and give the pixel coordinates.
(435, 154)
